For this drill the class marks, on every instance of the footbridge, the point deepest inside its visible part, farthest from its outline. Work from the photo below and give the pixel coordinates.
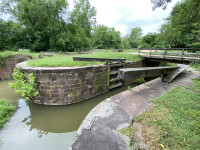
(175, 55)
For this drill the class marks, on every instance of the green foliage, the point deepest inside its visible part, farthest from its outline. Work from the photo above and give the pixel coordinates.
(182, 28)
(149, 40)
(129, 133)
(48, 25)
(5, 54)
(135, 37)
(196, 83)
(196, 66)
(106, 38)
(160, 3)
(12, 36)
(27, 87)
(129, 88)
(139, 81)
(79, 29)
(42, 20)
(3, 57)
(74, 95)
(174, 122)
(58, 61)
(6, 111)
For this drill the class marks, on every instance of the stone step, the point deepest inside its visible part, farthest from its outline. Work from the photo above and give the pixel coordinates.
(115, 86)
(114, 72)
(115, 79)
(116, 65)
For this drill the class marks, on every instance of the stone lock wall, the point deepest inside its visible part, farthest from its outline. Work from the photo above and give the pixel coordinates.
(68, 85)
(6, 70)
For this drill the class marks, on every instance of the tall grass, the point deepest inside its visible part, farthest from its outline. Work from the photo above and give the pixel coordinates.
(174, 122)
(6, 111)
(61, 61)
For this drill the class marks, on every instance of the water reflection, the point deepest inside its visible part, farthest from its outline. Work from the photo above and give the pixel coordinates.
(44, 127)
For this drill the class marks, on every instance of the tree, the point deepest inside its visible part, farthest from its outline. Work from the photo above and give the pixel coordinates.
(42, 20)
(160, 3)
(182, 28)
(106, 38)
(149, 40)
(125, 42)
(12, 36)
(135, 37)
(81, 23)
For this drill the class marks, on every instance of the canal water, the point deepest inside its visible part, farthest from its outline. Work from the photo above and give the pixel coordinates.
(44, 127)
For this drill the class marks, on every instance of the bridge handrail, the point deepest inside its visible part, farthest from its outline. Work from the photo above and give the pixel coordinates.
(163, 52)
(185, 49)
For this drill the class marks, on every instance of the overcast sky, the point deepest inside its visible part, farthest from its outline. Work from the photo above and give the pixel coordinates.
(124, 15)
(127, 14)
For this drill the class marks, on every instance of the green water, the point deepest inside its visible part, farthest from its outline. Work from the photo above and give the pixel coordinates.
(37, 127)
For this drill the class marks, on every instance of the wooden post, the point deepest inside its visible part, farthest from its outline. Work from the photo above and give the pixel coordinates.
(182, 54)
(165, 52)
(108, 75)
(150, 53)
(139, 51)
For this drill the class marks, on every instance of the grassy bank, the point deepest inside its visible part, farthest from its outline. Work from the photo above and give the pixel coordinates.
(174, 122)
(6, 111)
(62, 60)
(6, 54)
(196, 66)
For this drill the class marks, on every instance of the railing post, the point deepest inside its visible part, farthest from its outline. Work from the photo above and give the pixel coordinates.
(139, 51)
(182, 54)
(108, 75)
(150, 53)
(164, 53)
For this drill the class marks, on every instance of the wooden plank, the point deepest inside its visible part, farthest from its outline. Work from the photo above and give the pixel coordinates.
(98, 59)
(115, 86)
(173, 74)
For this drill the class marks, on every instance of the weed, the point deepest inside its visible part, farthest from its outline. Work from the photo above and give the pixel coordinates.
(139, 81)
(174, 121)
(129, 133)
(59, 60)
(27, 87)
(6, 111)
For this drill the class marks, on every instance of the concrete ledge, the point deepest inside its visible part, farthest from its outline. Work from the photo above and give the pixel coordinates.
(118, 112)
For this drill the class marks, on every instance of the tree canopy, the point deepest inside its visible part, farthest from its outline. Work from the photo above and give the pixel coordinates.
(48, 25)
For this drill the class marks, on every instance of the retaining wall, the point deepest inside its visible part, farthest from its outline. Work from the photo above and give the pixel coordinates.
(67, 85)
(6, 70)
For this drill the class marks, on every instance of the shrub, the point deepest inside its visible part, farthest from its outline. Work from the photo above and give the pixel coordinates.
(27, 87)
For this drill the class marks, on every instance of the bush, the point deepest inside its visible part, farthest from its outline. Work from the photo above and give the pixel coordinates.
(27, 87)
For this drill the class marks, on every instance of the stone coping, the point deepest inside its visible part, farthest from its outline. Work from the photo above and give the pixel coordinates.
(24, 66)
(27, 68)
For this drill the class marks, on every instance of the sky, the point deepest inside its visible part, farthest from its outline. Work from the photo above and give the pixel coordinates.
(124, 15)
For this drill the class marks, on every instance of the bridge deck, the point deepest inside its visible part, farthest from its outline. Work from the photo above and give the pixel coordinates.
(176, 55)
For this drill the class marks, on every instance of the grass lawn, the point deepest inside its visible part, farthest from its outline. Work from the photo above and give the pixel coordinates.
(6, 111)
(63, 60)
(196, 66)
(174, 122)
